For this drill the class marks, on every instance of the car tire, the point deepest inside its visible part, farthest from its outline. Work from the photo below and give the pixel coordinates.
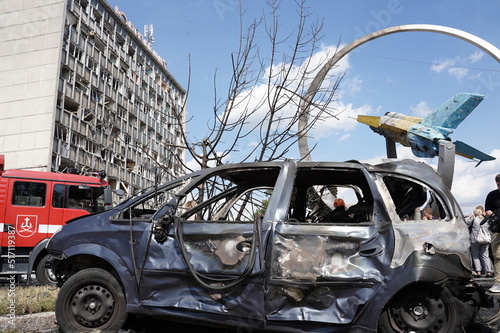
(420, 308)
(43, 275)
(91, 300)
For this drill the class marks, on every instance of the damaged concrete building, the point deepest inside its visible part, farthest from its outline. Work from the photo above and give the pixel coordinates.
(82, 88)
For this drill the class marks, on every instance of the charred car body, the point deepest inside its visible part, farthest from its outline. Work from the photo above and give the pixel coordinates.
(247, 245)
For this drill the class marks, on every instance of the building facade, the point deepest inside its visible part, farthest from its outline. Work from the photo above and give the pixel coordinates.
(82, 88)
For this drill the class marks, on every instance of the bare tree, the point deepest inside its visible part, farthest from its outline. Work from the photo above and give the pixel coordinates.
(264, 102)
(265, 96)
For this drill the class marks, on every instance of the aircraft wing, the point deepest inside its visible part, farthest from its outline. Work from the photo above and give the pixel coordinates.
(467, 151)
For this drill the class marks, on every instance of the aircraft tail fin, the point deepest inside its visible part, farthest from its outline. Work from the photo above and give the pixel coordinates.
(467, 151)
(452, 112)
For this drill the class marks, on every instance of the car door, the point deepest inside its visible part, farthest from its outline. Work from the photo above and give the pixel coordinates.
(69, 201)
(26, 210)
(210, 258)
(325, 270)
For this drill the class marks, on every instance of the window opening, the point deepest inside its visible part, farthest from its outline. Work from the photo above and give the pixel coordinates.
(412, 198)
(83, 197)
(236, 195)
(29, 194)
(316, 191)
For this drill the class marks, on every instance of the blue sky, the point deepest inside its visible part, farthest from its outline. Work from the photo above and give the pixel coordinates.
(409, 72)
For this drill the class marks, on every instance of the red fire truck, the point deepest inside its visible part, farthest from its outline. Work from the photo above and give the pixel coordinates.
(33, 206)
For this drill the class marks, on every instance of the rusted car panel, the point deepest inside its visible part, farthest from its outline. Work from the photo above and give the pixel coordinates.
(254, 245)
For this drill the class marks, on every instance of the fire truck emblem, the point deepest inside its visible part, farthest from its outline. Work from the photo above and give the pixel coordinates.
(26, 225)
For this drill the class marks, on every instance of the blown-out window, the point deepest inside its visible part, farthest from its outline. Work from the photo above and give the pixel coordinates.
(317, 192)
(414, 200)
(148, 205)
(238, 195)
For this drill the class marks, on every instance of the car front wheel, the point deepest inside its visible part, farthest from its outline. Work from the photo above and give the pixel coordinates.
(91, 299)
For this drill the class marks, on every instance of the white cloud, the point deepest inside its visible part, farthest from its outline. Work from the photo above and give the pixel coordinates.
(344, 137)
(458, 72)
(310, 67)
(255, 99)
(352, 86)
(475, 57)
(451, 66)
(344, 123)
(471, 184)
(456, 67)
(420, 110)
(192, 165)
(441, 65)
(252, 144)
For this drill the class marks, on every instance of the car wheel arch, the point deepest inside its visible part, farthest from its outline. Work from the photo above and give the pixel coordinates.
(38, 252)
(81, 257)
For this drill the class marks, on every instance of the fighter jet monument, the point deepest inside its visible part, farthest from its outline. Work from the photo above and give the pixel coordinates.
(429, 136)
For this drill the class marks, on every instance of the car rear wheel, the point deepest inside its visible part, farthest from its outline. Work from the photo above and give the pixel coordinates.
(91, 299)
(420, 309)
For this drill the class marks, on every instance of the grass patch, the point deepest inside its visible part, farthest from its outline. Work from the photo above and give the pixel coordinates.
(28, 300)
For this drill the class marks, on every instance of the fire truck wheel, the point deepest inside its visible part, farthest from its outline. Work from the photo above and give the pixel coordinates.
(91, 300)
(45, 276)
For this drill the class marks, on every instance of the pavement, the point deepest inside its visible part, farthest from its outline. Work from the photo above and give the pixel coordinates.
(42, 322)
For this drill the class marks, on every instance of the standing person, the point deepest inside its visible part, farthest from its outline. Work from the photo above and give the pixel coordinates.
(427, 214)
(492, 203)
(482, 210)
(479, 248)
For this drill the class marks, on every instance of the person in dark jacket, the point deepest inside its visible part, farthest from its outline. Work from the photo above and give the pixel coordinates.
(492, 203)
(339, 213)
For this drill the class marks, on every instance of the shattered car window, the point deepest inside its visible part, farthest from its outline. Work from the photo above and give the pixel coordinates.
(145, 209)
(240, 195)
(218, 230)
(316, 190)
(413, 201)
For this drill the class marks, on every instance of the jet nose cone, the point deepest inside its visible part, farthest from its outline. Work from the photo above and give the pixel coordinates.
(369, 120)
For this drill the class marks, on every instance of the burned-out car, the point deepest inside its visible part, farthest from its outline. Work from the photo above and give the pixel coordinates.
(251, 245)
